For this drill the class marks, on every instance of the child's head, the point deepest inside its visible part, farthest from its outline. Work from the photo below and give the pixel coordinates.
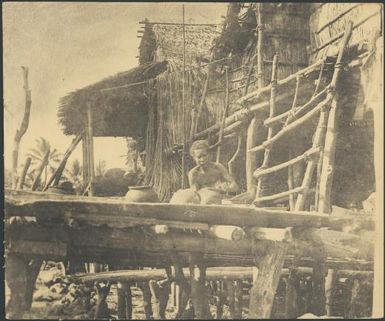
(199, 151)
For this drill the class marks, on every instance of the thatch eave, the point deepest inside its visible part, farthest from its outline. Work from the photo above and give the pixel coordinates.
(114, 100)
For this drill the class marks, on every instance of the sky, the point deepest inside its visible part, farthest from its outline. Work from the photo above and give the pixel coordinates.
(67, 46)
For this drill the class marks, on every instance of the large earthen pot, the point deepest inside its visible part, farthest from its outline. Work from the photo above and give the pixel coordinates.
(185, 196)
(211, 196)
(141, 194)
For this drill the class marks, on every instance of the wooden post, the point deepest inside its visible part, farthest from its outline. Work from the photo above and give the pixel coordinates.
(23, 128)
(90, 149)
(124, 301)
(226, 107)
(16, 278)
(290, 184)
(229, 284)
(198, 286)
(354, 299)
(238, 299)
(146, 299)
(184, 152)
(24, 173)
(292, 294)
(184, 287)
(85, 159)
(40, 169)
(58, 172)
(256, 122)
(331, 136)
(266, 160)
(330, 281)
(263, 290)
(319, 138)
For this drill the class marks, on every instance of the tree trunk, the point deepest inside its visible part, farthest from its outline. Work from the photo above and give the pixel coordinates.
(23, 128)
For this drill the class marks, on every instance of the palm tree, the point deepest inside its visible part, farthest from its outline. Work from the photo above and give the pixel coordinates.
(37, 154)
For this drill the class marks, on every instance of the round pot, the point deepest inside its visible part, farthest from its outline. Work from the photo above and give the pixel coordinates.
(141, 194)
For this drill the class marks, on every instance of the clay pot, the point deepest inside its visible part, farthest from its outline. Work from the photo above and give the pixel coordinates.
(185, 196)
(211, 196)
(141, 194)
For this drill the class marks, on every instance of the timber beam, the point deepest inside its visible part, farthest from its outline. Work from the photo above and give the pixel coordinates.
(92, 209)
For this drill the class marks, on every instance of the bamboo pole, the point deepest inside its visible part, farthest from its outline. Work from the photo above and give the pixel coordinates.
(341, 34)
(303, 72)
(241, 115)
(266, 160)
(90, 149)
(58, 172)
(307, 155)
(330, 139)
(184, 169)
(225, 110)
(23, 128)
(296, 190)
(294, 125)
(255, 124)
(295, 112)
(24, 173)
(85, 158)
(290, 184)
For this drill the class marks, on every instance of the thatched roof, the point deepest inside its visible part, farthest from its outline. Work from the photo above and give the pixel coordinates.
(161, 49)
(112, 109)
(162, 41)
(329, 20)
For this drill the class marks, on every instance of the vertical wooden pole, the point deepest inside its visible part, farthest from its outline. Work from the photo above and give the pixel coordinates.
(229, 284)
(270, 133)
(184, 287)
(226, 107)
(330, 281)
(256, 123)
(124, 301)
(290, 184)
(85, 158)
(263, 290)
(318, 287)
(184, 169)
(331, 136)
(90, 149)
(292, 294)
(238, 299)
(16, 278)
(319, 137)
(146, 299)
(198, 286)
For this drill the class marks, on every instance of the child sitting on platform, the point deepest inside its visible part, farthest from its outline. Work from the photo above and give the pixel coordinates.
(209, 182)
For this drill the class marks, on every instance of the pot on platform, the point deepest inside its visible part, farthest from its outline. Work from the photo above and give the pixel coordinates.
(141, 194)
